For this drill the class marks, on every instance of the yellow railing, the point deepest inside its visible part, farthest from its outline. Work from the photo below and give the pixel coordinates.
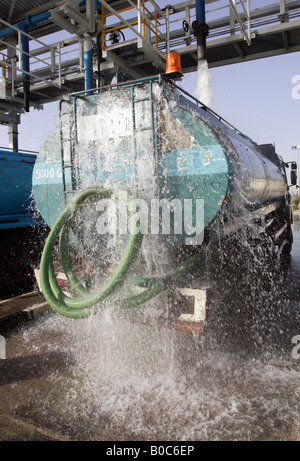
(147, 21)
(106, 30)
(149, 26)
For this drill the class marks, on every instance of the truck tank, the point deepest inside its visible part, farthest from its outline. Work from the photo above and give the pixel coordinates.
(154, 141)
(18, 222)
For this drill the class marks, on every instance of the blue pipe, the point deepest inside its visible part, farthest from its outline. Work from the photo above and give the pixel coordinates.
(30, 21)
(200, 11)
(88, 70)
(88, 65)
(200, 30)
(33, 21)
(23, 26)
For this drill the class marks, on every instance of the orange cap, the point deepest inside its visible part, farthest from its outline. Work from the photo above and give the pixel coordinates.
(173, 64)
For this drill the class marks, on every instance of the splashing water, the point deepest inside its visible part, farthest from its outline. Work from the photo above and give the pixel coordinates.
(203, 90)
(113, 377)
(117, 380)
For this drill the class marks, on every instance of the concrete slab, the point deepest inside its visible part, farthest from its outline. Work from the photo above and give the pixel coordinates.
(98, 380)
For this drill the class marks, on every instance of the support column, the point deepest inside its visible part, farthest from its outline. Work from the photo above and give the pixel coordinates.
(188, 31)
(232, 21)
(13, 137)
(12, 59)
(283, 14)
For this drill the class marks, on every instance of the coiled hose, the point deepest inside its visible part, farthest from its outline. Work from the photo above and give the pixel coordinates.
(87, 303)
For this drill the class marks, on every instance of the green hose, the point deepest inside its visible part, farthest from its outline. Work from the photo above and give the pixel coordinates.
(87, 303)
(190, 268)
(84, 304)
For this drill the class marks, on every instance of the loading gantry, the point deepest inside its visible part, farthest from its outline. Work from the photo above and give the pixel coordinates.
(49, 48)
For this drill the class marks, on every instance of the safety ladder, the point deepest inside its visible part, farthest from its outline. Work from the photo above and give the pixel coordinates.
(67, 143)
(151, 127)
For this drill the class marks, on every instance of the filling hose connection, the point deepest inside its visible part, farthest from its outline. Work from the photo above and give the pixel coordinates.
(89, 302)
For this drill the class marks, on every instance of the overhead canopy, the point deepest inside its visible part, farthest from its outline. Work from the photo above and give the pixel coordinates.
(235, 35)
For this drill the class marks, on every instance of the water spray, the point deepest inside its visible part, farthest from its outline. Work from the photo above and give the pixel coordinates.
(88, 302)
(146, 138)
(200, 28)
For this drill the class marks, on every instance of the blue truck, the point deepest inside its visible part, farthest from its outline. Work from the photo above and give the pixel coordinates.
(20, 223)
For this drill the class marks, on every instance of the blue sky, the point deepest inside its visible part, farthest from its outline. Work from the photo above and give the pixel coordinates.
(255, 96)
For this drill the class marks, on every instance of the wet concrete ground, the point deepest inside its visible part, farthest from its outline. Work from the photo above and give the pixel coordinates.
(110, 378)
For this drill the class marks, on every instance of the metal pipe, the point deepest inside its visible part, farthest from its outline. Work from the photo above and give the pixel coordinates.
(31, 21)
(200, 30)
(88, 64)
(115, 85)
(168, 28)
(23, 26)
(200, 11)
(24, 49)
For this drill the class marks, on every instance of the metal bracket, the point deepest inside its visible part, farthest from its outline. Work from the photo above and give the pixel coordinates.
(199, 296)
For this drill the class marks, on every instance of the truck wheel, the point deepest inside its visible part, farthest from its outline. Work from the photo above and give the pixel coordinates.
(284, 258)
(287, 239)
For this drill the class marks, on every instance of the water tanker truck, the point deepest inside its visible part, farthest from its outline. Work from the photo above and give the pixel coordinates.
(136, 182)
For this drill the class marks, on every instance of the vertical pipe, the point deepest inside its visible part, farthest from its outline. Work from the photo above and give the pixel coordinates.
(168, 29)
(282, 7)
(59, 64)
(232, 20)
(200, 30)
(249, 21)
(25, 49)
(23, 26)
(188, 32)
(88, 64)
(13, 136)
(200, 11)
